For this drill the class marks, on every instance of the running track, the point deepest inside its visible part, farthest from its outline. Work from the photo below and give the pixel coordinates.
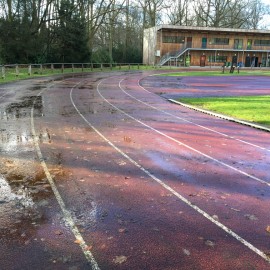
(135, 181)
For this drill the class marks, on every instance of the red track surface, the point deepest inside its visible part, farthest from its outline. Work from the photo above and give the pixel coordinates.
(149, 184)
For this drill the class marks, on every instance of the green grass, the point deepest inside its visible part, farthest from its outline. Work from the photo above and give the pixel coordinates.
(249, 108)
(218, 73)
(10, 75)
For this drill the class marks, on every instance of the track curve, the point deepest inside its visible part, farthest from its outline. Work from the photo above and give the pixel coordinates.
(148, 185)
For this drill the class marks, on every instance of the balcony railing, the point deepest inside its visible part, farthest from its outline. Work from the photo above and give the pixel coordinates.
(174, 55)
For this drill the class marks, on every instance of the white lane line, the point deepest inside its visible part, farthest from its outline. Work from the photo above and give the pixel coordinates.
(191, 122)
(167, 187)
(67, 215)
(3, 95)
(181, 143)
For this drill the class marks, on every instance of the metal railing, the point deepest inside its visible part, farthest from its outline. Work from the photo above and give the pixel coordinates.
(172, 56)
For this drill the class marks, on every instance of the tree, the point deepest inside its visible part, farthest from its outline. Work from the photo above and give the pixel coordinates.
(151, 9)
(71, 42)
(179, 12)
(221, 13)
(106, 30)
(256, 10)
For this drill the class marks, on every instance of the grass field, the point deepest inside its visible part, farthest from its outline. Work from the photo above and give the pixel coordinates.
(249, 108)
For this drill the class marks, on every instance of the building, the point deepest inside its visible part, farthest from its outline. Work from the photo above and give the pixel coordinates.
(206, 46)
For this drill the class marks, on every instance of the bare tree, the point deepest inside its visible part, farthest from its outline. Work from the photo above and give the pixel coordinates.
(256, 10)
(179, 12)
(151, 9)
(97, 11)
(228, 13)
(116, 8)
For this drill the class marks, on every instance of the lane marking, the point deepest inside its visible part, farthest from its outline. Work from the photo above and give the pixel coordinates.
(167, 187)
(3, 95)
(67, 215)
(181, 143)
(188, 121)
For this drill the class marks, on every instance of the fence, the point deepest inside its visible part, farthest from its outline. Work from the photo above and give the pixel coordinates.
(27, 70)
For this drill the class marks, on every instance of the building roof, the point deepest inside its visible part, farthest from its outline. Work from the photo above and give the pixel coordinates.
(211, 29)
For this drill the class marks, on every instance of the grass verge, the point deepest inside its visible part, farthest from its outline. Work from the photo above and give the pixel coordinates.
(11, 76)
(249, 108)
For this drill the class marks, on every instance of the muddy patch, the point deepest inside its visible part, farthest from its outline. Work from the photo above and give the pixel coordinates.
(25, 197)
(37, 87)
(86, 87)
(7, 195)
(26, 176)
(22, 109)
(23, 187)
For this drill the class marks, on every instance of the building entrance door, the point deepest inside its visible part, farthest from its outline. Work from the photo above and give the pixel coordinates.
(247, 62)
(202, 60)
(254, 61)
(234, 60)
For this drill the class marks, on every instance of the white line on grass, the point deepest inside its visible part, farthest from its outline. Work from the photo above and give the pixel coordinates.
(167, 187)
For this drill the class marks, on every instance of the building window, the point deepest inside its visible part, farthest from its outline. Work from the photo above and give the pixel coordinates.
(173, 39)
(249, 44)
(238, 44)
(258, 42)
(217, 58)
(219, 41)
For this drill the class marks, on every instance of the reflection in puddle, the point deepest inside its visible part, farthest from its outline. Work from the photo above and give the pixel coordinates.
(8, 138)
(9, 141)
(21, 109)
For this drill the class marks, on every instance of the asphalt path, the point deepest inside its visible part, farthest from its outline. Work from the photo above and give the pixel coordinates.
(100, 171)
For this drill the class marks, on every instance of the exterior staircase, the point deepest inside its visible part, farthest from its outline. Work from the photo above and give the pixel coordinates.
(172, 56)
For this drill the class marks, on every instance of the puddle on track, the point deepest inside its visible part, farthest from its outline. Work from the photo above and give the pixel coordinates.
(9, 141)
(25, 198)
(6, 194)
(18, 211)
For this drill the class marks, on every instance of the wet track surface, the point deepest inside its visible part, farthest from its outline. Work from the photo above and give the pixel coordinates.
(101, 172)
